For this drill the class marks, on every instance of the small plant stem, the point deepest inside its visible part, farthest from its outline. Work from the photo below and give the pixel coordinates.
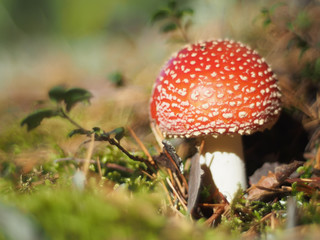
(66, 116)
(117, 144)
(112, 141)
(182, 31)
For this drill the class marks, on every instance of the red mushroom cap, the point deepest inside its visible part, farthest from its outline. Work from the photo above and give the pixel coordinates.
(215, 87)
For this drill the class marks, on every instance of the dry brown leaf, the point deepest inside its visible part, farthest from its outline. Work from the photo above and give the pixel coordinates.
(270, 184)
(257, 191)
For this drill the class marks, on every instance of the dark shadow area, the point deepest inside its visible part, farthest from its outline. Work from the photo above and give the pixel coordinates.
(283, 143)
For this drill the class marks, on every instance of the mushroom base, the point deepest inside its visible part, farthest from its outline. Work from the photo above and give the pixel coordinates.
(224, 156)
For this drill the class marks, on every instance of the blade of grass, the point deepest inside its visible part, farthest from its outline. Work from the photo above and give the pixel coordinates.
(99, 167)
(88, 156)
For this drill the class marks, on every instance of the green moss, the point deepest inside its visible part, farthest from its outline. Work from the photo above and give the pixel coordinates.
(65, 213)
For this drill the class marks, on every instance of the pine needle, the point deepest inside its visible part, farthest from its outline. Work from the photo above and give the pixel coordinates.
(144, 149)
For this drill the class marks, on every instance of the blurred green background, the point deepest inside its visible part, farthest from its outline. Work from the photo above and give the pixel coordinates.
(76, 31)
(88, 44)
(71, 19)
(82, 43)
(99, 35)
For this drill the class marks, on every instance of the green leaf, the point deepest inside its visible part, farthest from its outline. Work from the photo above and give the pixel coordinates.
(34, 119)
(269, 12)
(117, 79)
(264, 11)
(159, 15)
(77, 131)
(96, 130)
(169, 27)
(119, 133)
(99, 132)
(266, 22)
(75, 95)
(57, 93)
(183, 12)
(172, 4)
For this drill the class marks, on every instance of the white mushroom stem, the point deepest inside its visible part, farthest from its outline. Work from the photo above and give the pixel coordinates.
(224, 156)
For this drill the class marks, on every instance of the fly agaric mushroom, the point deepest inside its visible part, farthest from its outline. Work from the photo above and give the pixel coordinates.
(220, 88)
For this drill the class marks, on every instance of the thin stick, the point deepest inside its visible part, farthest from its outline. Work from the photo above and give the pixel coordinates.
(218, 212)
(153, 176)
(119, 167)
(212, 205)
(88, 156)
(117, 144)
(266, 217)
(77, 160)
(99, 167)
(66, 116)
(177, 195)
(144, 149)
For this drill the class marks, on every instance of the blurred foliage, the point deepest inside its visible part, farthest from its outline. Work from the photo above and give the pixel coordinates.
(117, 79)
(299, 24)
(65, 213)
(113, 164)
(72, 19)
(172, 18)
(59, 211)
(70, 97)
